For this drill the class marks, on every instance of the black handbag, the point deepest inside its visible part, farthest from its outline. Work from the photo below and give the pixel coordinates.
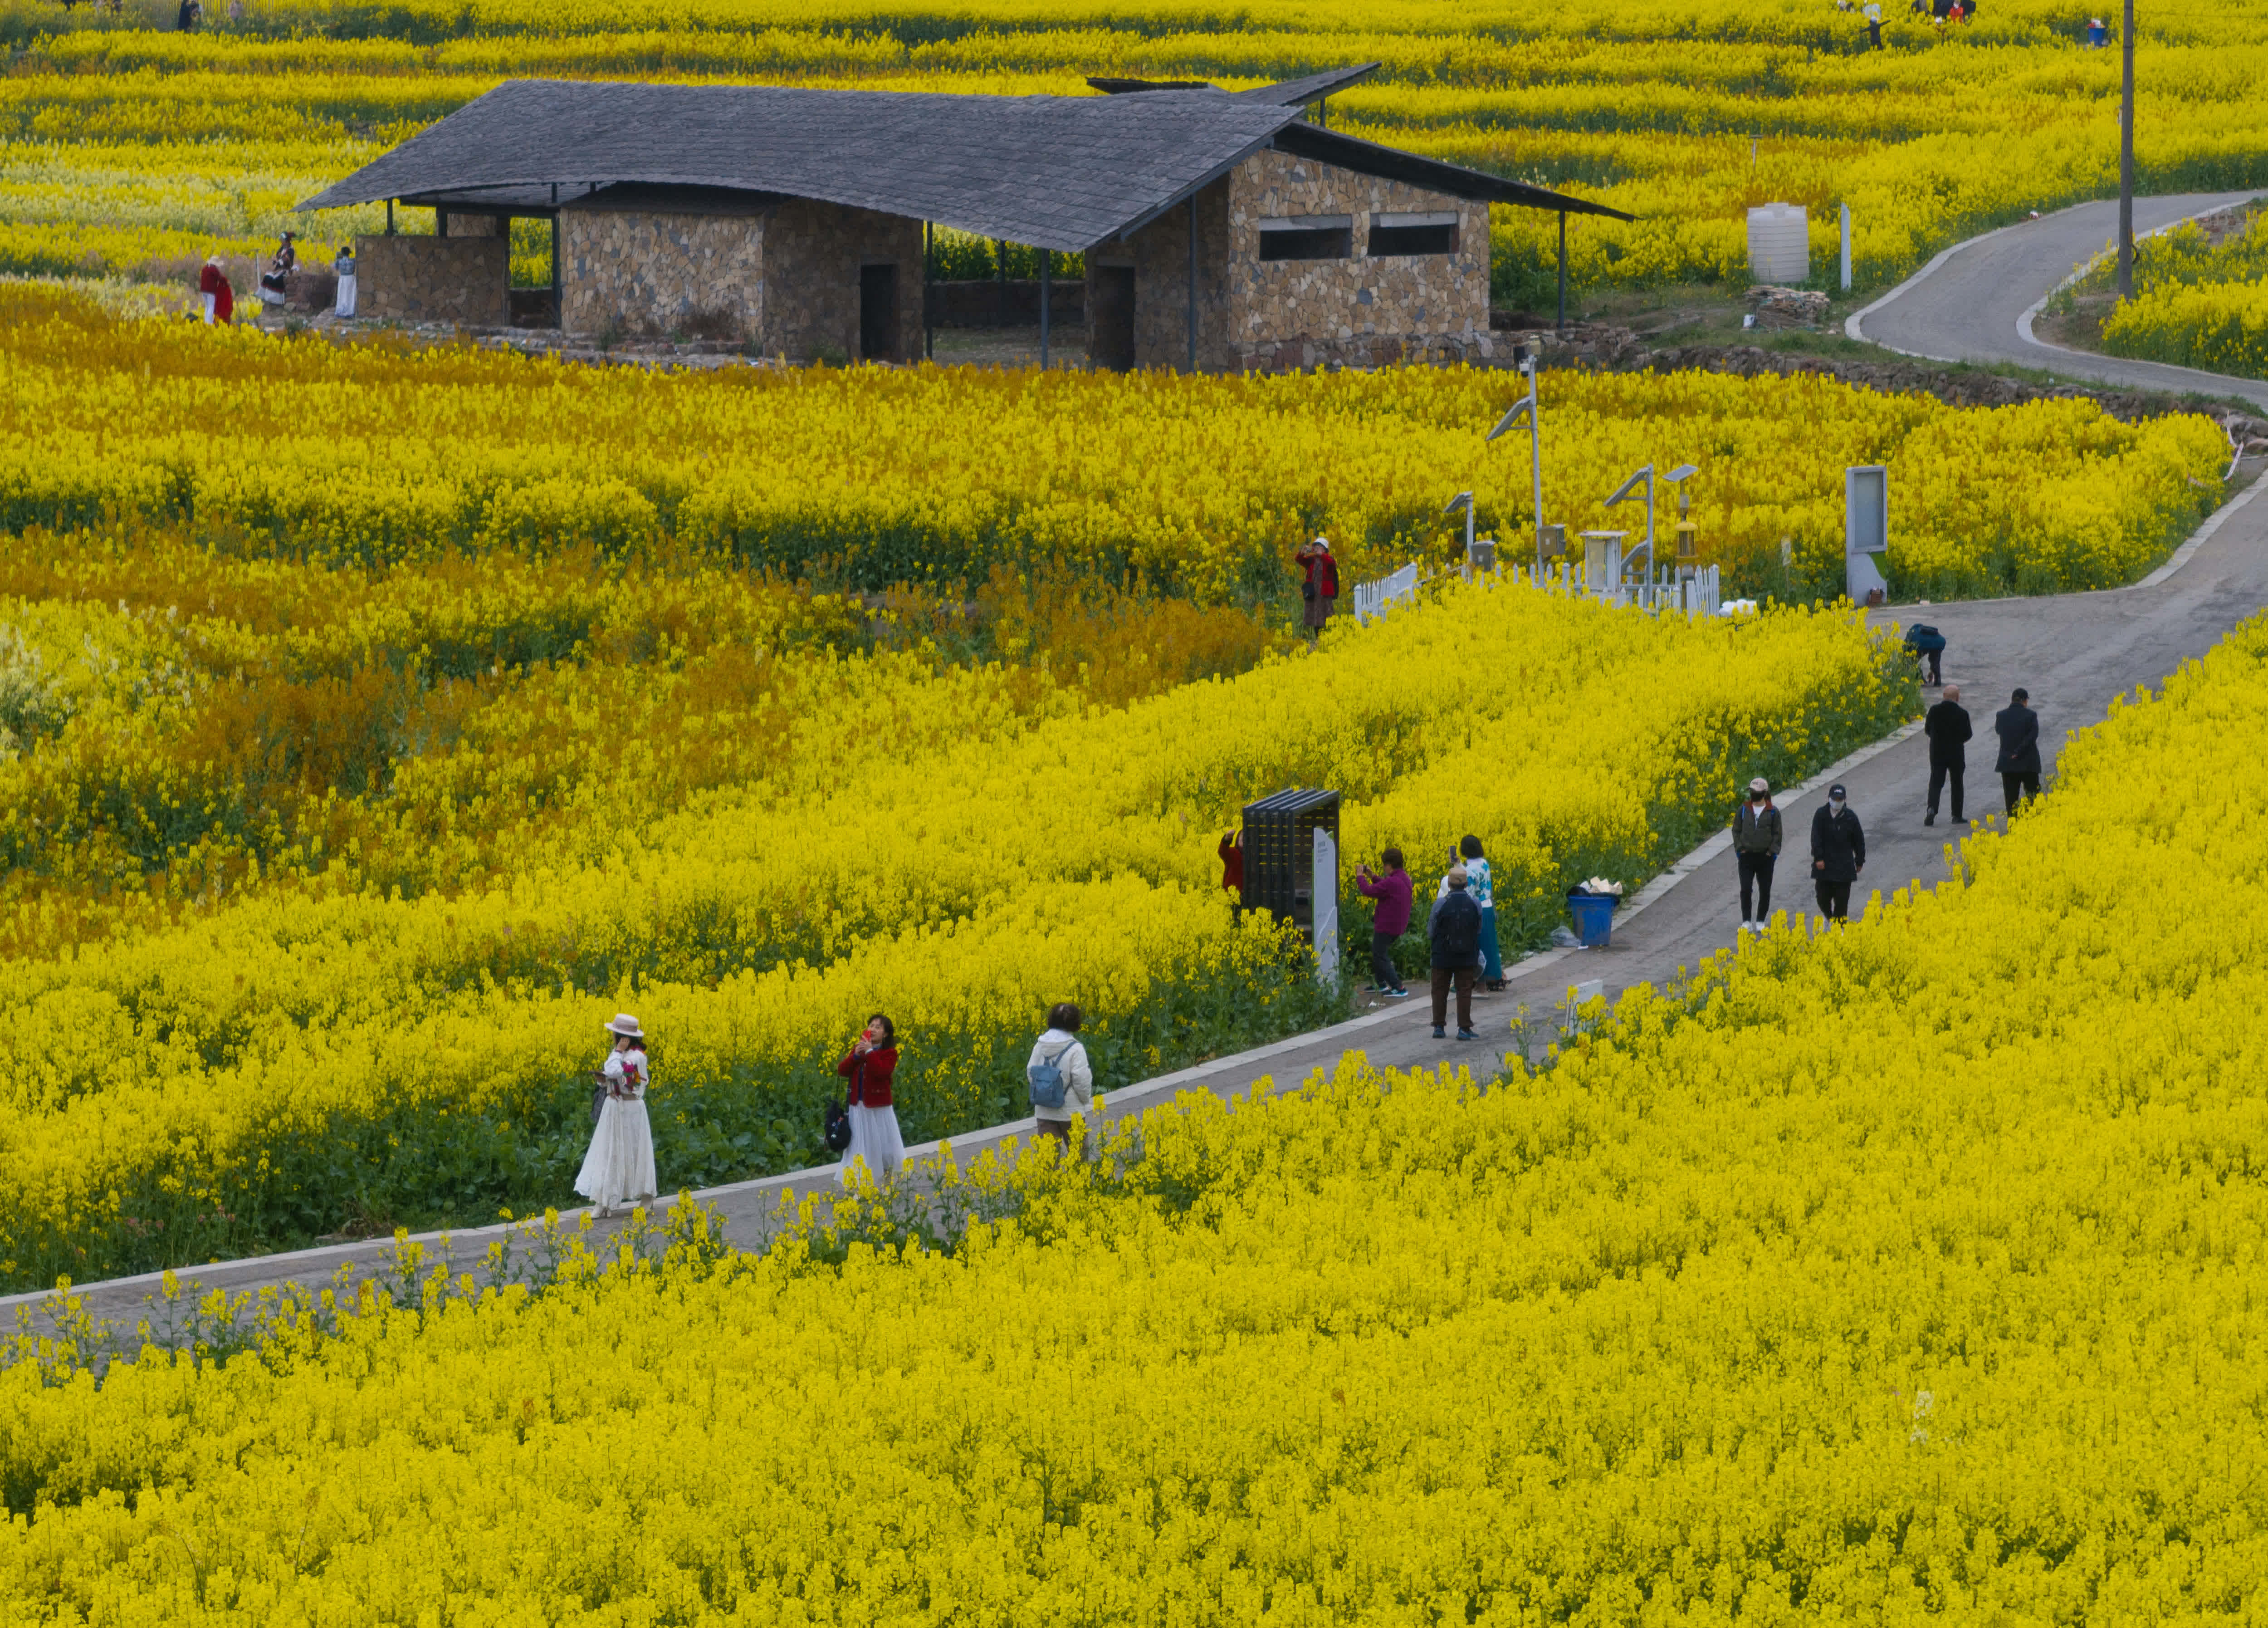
(838, 1127)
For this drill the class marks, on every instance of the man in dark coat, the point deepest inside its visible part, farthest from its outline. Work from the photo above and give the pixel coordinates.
(1949, 729)
(1454, 936)
(1838, 853)
(2019, 729)
(1755, 847)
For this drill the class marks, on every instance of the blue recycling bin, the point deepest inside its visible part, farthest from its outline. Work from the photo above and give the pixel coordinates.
(1595, 917)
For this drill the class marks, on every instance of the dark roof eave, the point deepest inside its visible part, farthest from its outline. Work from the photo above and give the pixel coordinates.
(1314, 88)
(1351, 152)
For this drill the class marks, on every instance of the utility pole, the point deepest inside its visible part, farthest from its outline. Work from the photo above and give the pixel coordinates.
(2126, 154)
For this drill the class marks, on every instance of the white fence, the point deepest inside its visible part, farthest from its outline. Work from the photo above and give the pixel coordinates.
(1372, 598)
(1694, 590)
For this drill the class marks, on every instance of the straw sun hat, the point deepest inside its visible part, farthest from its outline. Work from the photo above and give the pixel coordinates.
(625, 1024)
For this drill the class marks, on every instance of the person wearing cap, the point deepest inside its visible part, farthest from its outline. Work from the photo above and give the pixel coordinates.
(1320, 587)
(868, 1070)
(618, 1171)
(2019, 765)
(1838, 853)
(1755, 848)
(1452, 937)
(1947, 726)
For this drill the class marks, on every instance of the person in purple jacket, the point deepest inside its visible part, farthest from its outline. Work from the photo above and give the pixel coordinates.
(1390, 919)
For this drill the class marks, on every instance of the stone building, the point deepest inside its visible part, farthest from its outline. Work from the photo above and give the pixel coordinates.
(1221, 230)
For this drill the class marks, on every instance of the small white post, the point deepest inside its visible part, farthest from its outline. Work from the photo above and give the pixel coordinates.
(1846, 248)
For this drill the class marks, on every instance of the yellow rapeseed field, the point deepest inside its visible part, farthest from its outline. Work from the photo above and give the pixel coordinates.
(1200, 485)
(127, 147)
(1904, 1275)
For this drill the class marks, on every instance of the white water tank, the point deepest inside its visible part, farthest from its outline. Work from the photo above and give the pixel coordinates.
(1780, 244)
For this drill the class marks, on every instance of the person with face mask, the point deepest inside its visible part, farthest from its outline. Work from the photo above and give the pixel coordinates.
(1838, 853)
(1755, 847)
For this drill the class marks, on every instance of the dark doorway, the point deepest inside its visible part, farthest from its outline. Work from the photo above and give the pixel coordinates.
(1110, 317)
(878, 313)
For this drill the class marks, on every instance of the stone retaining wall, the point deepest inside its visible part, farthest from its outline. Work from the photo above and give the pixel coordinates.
(424, 279)
(652, 273)
(1363, 311)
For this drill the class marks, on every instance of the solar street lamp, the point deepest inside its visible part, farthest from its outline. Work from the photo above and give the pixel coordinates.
(1527, 408)
(1627, 493)
(1688, 553)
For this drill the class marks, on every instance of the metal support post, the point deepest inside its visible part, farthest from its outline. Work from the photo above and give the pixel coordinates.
(1047, 276)
(2127, 155)
(1193, 282)
(389, 217)
(929, 289)
(1561, 327)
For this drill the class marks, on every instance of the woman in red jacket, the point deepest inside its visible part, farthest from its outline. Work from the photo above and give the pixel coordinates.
(873, 1118)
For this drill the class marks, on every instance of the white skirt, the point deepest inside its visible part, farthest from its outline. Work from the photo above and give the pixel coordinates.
(874, 1138)
(618, 1171)
(346, 307)
(208, 299)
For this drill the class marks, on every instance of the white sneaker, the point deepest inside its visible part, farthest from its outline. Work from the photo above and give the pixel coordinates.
(1747, 926)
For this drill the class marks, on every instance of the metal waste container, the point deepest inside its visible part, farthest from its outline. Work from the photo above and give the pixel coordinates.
(1279, 855)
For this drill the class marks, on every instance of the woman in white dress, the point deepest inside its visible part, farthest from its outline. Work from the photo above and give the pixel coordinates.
(874, 1117)
(618, 1171)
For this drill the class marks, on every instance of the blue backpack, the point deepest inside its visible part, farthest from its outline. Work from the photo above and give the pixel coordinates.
(1046, 1078)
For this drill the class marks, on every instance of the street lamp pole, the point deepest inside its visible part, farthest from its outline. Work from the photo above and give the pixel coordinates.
(1527, 407)
(2126, 154)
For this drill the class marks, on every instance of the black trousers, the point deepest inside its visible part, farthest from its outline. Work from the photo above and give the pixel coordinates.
(2015, 786)
(1834, 899)
(1381, 962)
(1463, 976)
(1938, 775)
(1936, 672)
(1756, 870)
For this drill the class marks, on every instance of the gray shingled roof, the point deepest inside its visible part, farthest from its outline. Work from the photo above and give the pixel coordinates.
(1314, 87)
(1053, 172)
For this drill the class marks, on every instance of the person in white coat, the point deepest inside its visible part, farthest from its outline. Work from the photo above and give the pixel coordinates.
(1061, 1046)
(618, 1171)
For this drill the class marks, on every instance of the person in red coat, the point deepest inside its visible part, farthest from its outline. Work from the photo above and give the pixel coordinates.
(212, 285)
(1319, 589)
(1232, 863)
(874, 1135)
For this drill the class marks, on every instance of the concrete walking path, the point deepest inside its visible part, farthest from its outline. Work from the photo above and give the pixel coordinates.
(1975, 301)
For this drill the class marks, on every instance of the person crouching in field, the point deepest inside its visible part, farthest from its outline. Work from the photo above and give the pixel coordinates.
(874, 1135)
(1061, 1077)
(618, 1171)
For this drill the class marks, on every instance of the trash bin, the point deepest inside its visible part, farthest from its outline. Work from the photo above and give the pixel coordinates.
(1595, 917)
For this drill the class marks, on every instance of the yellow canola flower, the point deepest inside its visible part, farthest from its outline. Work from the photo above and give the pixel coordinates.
(1884, 1277)
(960, 887)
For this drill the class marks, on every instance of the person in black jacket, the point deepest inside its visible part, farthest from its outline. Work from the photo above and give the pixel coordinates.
(1949, 729)
(2019, 729)
(1838, 853)
(1755, 847)
(1454, 935)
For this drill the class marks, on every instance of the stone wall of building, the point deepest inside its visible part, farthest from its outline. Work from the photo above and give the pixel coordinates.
(478, 226)
(1160, 255)
(643, 273)
(427, 279)
(813, 255)
(1360, 311)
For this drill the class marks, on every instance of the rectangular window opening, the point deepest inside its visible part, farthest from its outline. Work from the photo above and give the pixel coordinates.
(1431, 238)
(1308, 237)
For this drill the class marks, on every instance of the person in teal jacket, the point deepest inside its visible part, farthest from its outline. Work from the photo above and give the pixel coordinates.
(1482, 888)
